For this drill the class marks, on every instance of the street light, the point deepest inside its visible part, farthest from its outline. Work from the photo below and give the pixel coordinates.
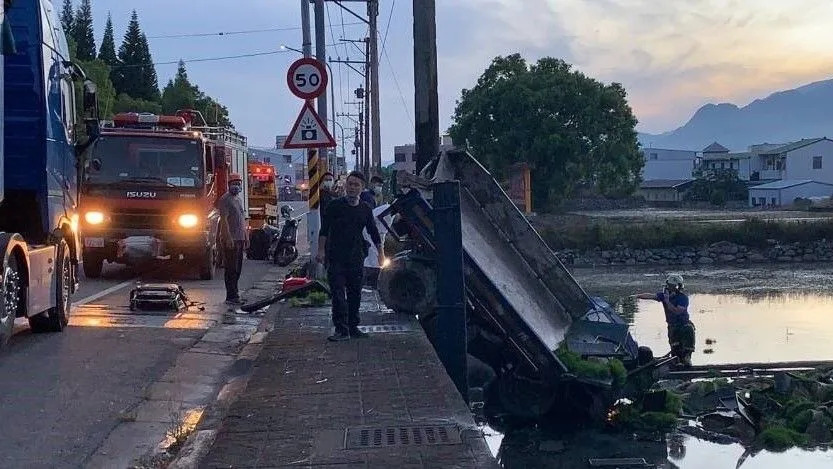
(332, 89)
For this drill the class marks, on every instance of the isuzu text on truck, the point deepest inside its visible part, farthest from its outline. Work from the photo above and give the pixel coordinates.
(39, 155)
(153, 181)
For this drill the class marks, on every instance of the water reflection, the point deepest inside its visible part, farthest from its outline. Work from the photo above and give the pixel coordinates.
(750, 327)
(761, 327)
(536, 448)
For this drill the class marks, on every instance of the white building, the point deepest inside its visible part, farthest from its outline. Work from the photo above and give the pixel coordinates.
(783, 193)
(808, 159)
(404, 156)
(664, 164)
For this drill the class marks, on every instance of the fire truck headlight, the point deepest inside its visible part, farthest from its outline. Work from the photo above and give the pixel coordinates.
(188, 220)
(94, 218)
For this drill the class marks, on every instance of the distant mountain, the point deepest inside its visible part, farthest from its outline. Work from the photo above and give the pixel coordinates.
(784, 116)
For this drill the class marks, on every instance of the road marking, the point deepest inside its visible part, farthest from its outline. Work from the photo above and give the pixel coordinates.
(104, 292)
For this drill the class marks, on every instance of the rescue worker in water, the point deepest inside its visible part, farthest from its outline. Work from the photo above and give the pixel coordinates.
(680, 328)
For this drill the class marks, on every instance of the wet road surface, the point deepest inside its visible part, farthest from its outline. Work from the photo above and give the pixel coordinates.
(63, 394)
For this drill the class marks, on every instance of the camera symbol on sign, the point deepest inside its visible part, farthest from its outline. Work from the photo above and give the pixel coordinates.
(309, 130)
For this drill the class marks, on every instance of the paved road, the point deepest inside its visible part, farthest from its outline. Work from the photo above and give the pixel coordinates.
(63, 394)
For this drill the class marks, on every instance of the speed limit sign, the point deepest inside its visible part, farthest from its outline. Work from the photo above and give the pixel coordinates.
(307, 78)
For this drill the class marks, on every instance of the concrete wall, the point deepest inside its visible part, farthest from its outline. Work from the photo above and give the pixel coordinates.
(800, 162)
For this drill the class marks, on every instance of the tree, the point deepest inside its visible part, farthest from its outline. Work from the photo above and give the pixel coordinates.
(179, 93)
(572, 130)
(135, 74)
(710, 181)
(82, 31)
(67, 17)
(99, 73)
(125, 103)
(107, 51)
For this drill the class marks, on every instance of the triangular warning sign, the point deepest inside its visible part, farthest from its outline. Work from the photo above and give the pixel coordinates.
(309, 131)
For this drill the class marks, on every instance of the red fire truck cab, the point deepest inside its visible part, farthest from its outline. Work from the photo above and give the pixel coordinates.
(152, 181)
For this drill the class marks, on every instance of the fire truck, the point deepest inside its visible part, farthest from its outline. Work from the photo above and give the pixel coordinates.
(152, 181)
(263, 194)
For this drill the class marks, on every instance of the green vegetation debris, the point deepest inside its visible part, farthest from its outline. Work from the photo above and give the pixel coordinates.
(778, 438)
(313, 299)
(601, 369)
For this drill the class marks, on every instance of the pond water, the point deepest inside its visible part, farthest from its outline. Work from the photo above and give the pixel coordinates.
(745, 328)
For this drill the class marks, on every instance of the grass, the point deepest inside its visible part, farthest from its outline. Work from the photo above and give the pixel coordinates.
(778, 438)
(610, 369)
(751, 232)
(313, 299)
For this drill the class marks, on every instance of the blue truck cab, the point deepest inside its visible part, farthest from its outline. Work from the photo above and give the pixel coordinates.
(39, 161)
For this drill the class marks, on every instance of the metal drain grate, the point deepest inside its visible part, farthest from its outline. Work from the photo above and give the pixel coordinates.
(385, 328)
(401, 435)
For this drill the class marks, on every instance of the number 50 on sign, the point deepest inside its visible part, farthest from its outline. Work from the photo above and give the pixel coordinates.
(307, 78)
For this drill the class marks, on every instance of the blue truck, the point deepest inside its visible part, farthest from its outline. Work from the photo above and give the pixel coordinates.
(43, 139)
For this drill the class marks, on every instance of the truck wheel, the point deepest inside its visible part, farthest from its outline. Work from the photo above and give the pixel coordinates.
(208, 264)
(57, 318)
(92, 266)
(11, 298)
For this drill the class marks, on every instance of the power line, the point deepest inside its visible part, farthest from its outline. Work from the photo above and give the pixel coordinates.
(234, 33)
(207, 59)
(398, 88)
(387, 28)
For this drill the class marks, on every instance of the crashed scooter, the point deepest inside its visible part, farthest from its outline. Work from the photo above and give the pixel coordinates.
(540, 344)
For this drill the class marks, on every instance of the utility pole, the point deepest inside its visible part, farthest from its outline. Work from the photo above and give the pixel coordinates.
(366, 109)
(426, 107)
(373, 62)
(313, 175)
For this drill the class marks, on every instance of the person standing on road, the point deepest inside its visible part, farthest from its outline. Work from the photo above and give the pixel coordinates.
(680, 328)
(342, 248)
(233, 235)
(372, 195)
(327, 192)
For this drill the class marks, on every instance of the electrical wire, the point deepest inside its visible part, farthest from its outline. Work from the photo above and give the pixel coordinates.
(398, 88)
(207, 59)
(235, 33)
(387, 28)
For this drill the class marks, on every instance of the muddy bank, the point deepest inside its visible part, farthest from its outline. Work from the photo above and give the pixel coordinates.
(759, 280)
(724, 253)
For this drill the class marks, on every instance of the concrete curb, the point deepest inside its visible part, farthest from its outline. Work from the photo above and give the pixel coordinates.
(199, 443)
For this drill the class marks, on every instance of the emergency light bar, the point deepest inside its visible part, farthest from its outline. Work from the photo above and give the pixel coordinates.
(147, 120)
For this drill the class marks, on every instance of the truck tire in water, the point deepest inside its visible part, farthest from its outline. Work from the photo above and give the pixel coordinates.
(57, 318)
(11, 296)
(92, 265)
(407, 286)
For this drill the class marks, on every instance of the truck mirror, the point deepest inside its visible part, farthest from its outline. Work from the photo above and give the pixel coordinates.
(90, 99)
(96, 164)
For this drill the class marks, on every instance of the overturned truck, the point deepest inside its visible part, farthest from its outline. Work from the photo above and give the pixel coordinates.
(536, 340)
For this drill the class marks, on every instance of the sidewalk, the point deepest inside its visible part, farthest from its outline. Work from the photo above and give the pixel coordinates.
(380, 402)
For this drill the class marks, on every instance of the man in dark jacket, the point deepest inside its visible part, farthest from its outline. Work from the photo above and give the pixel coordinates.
(341, 247)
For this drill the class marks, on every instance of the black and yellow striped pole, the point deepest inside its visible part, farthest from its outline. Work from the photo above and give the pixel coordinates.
(314, 198)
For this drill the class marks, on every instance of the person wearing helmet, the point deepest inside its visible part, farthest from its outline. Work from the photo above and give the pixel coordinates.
(233, 235)
(680, 328)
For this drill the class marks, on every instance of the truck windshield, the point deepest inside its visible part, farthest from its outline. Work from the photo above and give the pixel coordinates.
(146, 160)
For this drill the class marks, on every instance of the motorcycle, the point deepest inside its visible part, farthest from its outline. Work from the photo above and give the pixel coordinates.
(283, 250)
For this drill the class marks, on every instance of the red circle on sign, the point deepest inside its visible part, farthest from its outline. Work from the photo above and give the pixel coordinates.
(307, 78)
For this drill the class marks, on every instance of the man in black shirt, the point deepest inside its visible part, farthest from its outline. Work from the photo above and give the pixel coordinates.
(341, 247)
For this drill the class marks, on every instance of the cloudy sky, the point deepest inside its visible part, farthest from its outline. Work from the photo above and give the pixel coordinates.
(671, 56)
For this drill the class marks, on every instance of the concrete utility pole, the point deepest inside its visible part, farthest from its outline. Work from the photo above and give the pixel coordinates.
(305, 28)
(313, 176)
(426, 107)
(373, 61)
(368, 131)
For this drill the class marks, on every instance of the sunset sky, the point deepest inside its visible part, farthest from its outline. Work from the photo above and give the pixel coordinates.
(671, 56)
